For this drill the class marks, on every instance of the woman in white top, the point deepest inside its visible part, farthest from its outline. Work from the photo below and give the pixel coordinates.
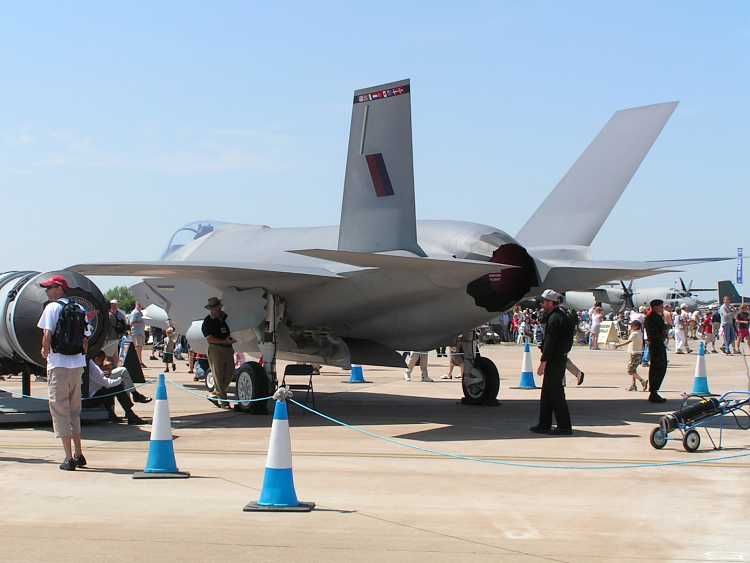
(596, 321)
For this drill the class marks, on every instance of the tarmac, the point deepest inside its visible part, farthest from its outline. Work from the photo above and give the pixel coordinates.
(377, 501)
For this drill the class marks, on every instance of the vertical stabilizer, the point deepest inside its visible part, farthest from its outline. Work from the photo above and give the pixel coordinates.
(377, 213)
(727, 289)
(578, 206)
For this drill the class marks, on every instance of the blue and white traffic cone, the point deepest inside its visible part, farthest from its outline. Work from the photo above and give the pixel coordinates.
(278, 494)
(357, 375)
(700, 383)
(161, 463)
(527, 370)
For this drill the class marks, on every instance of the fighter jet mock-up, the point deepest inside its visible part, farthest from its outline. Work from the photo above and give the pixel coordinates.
(382, 281)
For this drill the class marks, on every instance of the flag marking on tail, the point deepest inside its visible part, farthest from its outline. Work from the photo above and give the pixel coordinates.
(381, 94)
(379, 174)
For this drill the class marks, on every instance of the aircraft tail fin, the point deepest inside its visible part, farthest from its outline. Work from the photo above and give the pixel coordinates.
(377, 212)
(592, 186)
(727, 289)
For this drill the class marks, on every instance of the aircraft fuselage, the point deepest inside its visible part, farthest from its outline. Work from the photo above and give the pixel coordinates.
(401, 309)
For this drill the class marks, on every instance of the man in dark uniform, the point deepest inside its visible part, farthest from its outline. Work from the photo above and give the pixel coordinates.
(656, 333)
(220, 351)
(558, 339)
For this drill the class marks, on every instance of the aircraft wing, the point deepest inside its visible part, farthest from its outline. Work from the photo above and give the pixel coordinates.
(276, 277)
(445, 272)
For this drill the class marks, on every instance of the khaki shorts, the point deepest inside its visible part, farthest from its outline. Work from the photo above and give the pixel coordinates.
(65, 400)
(139, 340)
(635, 361)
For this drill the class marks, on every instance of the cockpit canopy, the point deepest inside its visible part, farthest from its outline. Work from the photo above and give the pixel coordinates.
(188, 233)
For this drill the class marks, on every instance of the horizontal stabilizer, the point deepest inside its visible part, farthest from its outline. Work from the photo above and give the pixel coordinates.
(688, 262)
(576, 209)
(565, 275)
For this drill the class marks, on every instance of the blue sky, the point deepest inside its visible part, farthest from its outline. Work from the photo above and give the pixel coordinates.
(138, 118)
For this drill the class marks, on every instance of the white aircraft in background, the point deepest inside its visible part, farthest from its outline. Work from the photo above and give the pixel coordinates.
(616, 297)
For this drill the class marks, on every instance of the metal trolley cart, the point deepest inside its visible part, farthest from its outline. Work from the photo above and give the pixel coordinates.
(701, 414)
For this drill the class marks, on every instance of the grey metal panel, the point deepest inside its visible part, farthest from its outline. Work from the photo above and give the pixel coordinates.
(380, 125)
(578, 206)
(373, 353)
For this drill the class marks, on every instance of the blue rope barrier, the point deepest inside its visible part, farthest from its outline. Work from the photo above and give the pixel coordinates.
(463, 457)
(127, 389)
(216, 399)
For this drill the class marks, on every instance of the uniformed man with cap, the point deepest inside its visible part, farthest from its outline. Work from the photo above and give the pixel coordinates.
(220, 351)
(656, 333)
(558, 340)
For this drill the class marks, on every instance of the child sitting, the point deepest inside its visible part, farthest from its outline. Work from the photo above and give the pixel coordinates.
(635, 351)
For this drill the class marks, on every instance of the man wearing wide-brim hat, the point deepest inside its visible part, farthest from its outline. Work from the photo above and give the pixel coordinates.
(220, 351)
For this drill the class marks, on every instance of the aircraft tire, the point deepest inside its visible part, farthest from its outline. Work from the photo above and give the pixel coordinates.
(483, 385)
(251, 382)
(208, 381)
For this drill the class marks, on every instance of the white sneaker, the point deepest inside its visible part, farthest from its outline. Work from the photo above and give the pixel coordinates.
(407, 377)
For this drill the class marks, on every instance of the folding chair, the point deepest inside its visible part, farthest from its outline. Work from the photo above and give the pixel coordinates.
(301, 369)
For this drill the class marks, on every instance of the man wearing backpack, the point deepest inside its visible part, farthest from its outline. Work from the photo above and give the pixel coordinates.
(64, 345)
(558, 340)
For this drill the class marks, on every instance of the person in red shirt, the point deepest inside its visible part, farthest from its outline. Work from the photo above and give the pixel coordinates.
(743, 325)
(707, 328)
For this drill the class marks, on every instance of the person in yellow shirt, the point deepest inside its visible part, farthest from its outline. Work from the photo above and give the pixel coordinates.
(635, 355)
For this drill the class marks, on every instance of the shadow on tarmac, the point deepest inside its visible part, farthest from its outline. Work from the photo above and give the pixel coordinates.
(33, 461)
(510, 420)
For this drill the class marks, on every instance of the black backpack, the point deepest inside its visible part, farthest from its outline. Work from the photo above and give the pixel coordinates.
(120, 325)
(70, 330)
(570, 329)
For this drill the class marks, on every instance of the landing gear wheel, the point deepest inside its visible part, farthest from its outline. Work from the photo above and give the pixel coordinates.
(209, 381)
(482, 385)
(251, 382)
(692, 441)
(658, 438)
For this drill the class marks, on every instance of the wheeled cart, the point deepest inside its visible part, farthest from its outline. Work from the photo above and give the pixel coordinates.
(702, 413)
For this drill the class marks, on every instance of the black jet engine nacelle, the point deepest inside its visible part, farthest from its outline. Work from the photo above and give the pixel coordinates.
(22, 301)
(500, 291)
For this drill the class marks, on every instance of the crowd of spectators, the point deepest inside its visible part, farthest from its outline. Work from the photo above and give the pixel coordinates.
(726, 325)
